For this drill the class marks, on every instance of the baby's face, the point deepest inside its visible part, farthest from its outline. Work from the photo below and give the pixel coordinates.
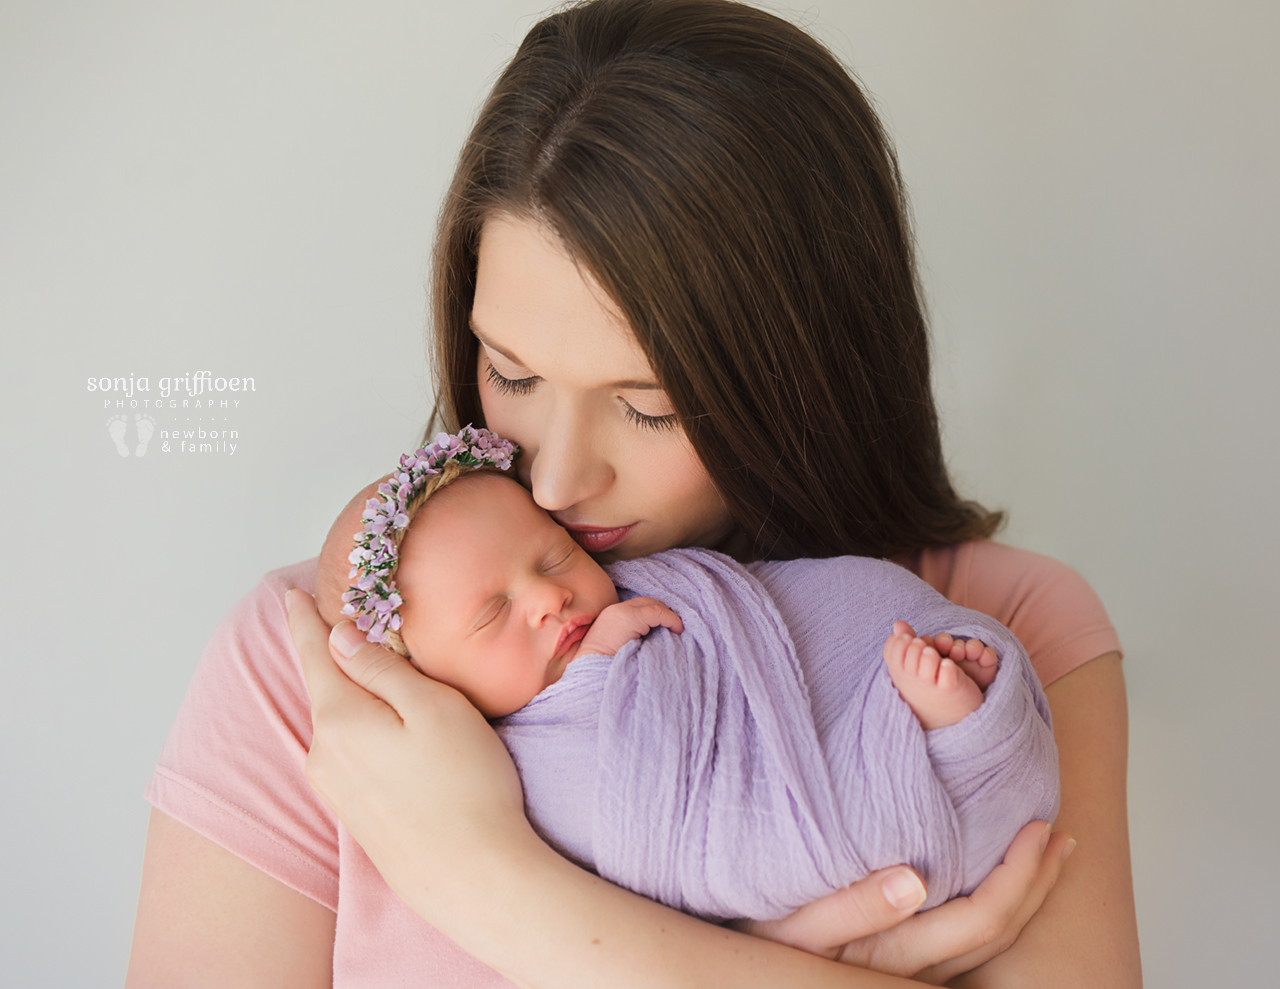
(497, 597)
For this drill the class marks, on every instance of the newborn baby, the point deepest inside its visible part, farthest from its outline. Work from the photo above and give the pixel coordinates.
(498, 609)
(739, 761)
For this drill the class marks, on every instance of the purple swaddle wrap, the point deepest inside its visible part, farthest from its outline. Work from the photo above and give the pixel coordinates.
(764, 758)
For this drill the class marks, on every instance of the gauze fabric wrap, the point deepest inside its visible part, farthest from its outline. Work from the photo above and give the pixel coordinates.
(763, 758)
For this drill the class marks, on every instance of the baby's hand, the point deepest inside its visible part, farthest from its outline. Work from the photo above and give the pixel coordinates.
(619, 623)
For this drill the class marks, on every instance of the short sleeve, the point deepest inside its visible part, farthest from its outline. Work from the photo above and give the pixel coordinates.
(1050, 608)
(232, 768)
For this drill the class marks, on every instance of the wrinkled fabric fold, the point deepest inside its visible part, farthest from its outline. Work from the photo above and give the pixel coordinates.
(764, 758)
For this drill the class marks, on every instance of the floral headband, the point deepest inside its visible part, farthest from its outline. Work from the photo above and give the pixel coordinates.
(372, 599)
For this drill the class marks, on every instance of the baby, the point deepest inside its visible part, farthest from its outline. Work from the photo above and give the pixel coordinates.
(491, 596)
(498, 599)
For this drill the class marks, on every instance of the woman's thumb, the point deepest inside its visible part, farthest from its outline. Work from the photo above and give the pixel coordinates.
(379, 671)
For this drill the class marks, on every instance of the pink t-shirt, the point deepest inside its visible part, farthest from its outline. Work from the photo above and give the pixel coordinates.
(232, 767)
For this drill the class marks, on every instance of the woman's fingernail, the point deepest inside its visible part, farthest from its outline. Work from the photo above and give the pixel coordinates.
(288, 601)
(347, 639)
(1044, 838)
(1071, 847)
(904, 890)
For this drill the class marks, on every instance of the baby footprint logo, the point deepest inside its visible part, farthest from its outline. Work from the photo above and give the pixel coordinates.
(116, 426)
(145, 426)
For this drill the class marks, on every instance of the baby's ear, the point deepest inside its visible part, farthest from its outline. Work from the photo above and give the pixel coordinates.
(334, 565)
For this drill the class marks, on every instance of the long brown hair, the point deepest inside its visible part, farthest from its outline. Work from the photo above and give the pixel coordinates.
(729, 185)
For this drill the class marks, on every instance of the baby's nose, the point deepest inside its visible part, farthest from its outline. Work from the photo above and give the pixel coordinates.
(552, 599)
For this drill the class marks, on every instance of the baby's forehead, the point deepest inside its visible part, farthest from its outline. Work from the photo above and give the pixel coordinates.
(485, 514)
(483, 497)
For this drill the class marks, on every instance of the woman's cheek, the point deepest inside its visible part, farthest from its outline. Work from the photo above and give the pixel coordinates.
(673, 489)
(507, 415)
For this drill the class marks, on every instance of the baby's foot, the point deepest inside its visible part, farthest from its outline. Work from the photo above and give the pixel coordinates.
(116, 426)
(935, 688)
(145, 426)
(972, 656)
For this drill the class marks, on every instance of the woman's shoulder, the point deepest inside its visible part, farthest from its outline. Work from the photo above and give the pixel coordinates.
(253, 638)
(299, 576)
(1049, 606)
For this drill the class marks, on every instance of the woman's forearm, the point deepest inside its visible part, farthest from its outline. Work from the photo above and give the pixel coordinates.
(544, 922)
(1086, 932)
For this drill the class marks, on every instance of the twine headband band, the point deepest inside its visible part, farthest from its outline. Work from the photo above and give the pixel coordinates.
(372, 599)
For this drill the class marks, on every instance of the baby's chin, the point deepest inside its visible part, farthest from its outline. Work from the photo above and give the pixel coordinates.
(557, 667)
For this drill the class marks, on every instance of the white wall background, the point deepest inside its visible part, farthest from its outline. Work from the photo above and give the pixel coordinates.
(250, 189)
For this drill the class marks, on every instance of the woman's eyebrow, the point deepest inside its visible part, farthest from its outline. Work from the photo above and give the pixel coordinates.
(493, 346)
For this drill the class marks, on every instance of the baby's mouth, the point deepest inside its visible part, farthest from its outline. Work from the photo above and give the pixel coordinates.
(574, 630)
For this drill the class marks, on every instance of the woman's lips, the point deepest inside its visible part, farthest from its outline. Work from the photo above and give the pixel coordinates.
(598, 539)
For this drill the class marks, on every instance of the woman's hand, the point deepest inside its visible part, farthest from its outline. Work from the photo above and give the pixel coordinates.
(870, 924)
(413, 771)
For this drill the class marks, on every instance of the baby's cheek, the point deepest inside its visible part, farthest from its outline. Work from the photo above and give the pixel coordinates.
(495, 699)
(425, 658)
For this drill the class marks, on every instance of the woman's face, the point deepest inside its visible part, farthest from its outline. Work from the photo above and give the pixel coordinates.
(561, 374)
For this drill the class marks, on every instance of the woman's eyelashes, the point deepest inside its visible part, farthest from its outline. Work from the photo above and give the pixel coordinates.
(524, 386)
(511, 386)
(656, 423)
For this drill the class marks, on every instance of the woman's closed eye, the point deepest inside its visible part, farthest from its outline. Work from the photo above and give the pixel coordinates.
(511, 386)
(525, 385)
(656, 423)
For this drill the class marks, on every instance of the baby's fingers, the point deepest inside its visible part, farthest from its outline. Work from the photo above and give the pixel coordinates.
(664, 616)
(650, 613)
(653, 613)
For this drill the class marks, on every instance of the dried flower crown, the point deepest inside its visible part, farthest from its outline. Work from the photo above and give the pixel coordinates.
(373, 600)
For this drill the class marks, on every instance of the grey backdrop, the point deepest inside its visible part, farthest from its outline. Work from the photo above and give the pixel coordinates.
(250, 189)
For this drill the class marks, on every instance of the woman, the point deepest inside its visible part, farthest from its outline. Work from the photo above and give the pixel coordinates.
(674, 265)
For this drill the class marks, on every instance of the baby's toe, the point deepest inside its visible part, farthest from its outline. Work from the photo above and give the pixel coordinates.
(929, 664)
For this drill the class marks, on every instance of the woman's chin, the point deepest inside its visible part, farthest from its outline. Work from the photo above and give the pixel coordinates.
(629, 549)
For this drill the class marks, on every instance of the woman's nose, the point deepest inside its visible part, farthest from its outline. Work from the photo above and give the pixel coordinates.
(569, 468)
